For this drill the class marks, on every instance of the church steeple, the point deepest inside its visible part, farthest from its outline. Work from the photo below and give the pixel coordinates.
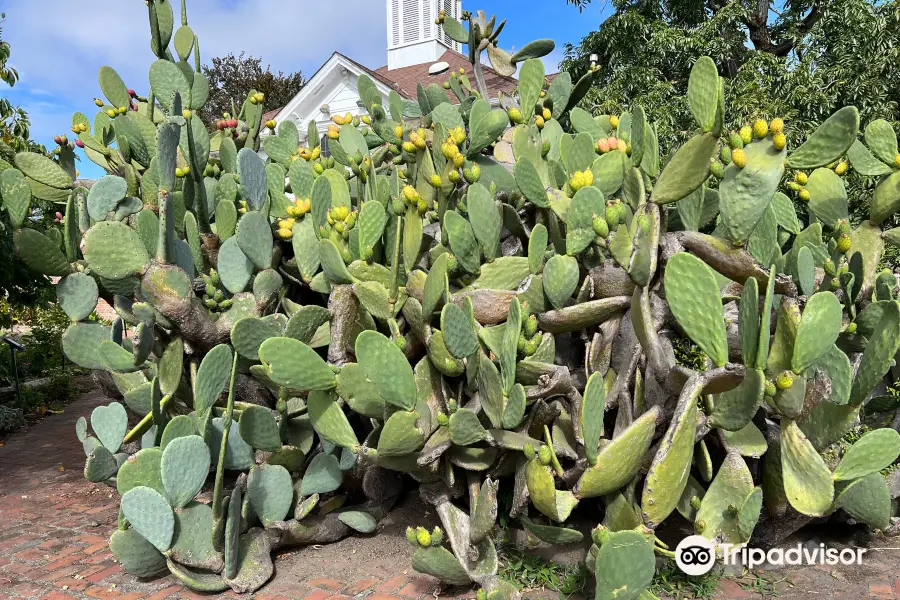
(413, 37)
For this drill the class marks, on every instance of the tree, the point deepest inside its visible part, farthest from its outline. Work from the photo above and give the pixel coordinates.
(232, 77)
(804, 62)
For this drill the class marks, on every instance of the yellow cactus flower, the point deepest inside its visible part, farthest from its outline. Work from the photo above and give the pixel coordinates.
(285, 234)
(316, 153)
(588, 177)
(459, 135)
(333, 132)
(410, 194)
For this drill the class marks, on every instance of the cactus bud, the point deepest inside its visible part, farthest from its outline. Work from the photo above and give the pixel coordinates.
(746, 134)
(615, 214)
(844, 242)
(520, 346)
(695, 502)
(725, 154)
(794, 186)
(801, 177)
(515, 115)
(897, 161)
(411, 536)
(785, 380)
(829, 267)
(271, 124)
(79, 143)
(443, 420)
(539, 121)
(451, 405)
(841, 167)
(544, 455)
(398, 207)
(437, 536)
(623, 146)
(186, 113)
(436, 181)
(803, 194)
(760, 128)
(452, 262)
(98, 101)
(422, 206)
(770, 388)
(547, 114)
(735, 141)
(453, 176)
(528, 450)
(851, 328)
(111, 113)
(285, 234)
(717, 169)
(459, 160)
(613, 121)
(739, 158)
(601, 228)
(779, 140)
(531, 346)
(530, 325)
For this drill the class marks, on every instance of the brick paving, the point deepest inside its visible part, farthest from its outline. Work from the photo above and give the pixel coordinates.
(54, 527)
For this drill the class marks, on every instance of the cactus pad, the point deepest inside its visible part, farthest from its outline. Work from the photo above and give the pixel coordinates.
(184, 467)
(385, 366)
(693, 295)
(150, 515)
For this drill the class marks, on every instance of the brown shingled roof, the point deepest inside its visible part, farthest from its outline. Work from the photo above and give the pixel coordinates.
(406, 78)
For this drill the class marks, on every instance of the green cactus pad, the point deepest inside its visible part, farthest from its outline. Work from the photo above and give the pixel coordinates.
(819, 328)
(462, 241)
(358, 520)
(459, 334)
(732, 484)
(137, 556)
(871, 453)
(440, 563)
(259, 428)
(529, 182)
(384, 364)
(561, 276)
(77, 295)
(625, 566)
(304, 323)
(587, 203)
(557, 505)
(43, 170)
(40, 253)
(619, 460)
(827, 196)
(687, 170)
(212, 377)
(829, 142)
(593, 407)
(184, 467)
(332, 263)
(323, 475)
(110, 423)
(254, 238)
(180, 426)
(514, 410)
(238, 454)
(16, 196)
(435, 285)
(734, 409)
(670, 468)
(192, 545)
(141, 469)
(703, 92)
(864, 162)
(693, 295)
(401, 434)
(868, 500)
(374, 298)
(104, 195)
(295, 365)
(359, 393)
(248, 334)
(329, 420)
(465, 428)
(807, 480)
(270, 491)
(878, 355)
(484, 216)
(484, 513)
(100, 465)
(150, 515)
(114, 250)
(745, 193)
(552, 535)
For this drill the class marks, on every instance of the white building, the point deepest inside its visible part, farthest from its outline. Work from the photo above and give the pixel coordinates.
(418, 52)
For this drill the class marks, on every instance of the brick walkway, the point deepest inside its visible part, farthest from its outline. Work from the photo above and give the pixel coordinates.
(54, 527)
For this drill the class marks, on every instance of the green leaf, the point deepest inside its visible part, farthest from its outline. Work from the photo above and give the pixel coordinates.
(693, 296)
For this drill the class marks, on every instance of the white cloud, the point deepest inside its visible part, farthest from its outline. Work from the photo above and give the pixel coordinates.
(59, 45)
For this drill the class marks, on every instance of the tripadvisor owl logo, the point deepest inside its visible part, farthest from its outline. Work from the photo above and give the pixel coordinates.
(695, 555)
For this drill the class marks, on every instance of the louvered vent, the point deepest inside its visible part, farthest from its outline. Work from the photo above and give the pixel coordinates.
(412, 21)
(394, 20)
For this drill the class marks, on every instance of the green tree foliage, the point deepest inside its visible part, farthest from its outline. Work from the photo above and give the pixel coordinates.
(232, 77)
(803, 61)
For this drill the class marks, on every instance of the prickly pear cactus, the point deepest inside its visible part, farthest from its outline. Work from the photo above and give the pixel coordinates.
(486, 300)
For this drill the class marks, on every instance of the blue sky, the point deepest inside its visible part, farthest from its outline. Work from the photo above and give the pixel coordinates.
(59, 45)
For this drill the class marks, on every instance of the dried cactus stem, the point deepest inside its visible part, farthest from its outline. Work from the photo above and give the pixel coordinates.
(166, 228)
(395, 262)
